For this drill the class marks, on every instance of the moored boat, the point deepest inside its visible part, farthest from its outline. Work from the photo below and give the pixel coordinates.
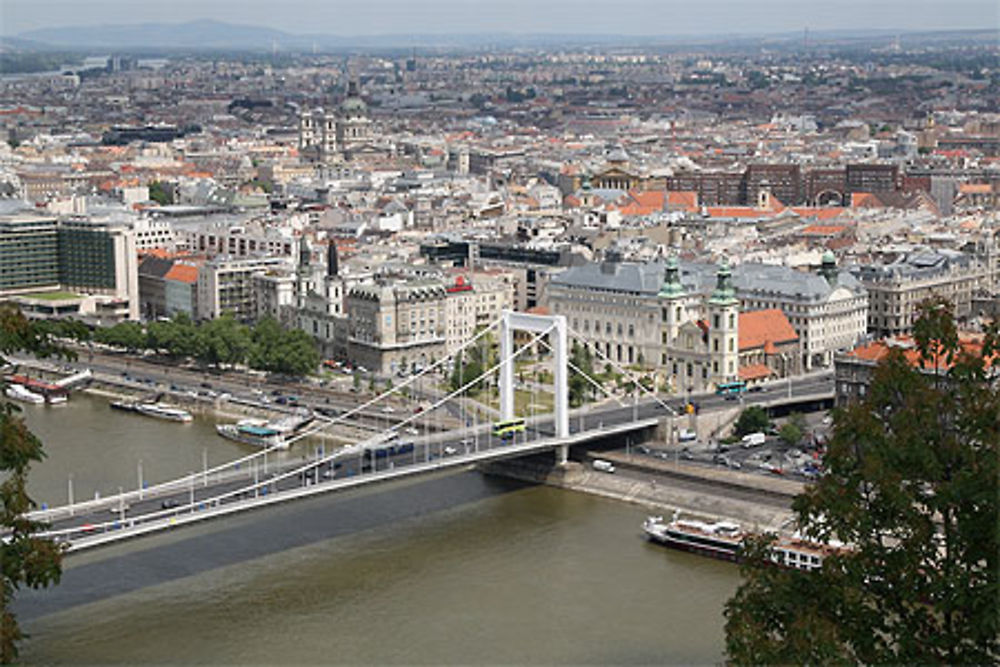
(724, 539)
(21, 393)
(253, 432)
(163, 411)
(720, 539)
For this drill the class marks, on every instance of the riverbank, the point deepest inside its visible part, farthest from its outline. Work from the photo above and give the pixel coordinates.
(740, 500)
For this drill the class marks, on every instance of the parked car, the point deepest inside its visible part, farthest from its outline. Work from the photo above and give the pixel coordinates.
(603, 466)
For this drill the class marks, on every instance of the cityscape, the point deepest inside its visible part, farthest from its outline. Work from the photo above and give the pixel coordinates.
(435, 336)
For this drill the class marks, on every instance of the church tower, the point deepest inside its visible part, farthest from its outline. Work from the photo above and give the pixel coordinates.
(304, 273)
(723, 317)
(672, 303)
(334, 285)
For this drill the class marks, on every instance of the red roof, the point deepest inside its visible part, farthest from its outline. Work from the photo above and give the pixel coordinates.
(183, 273)
(754, 372)
(879, 349)
(760, 327)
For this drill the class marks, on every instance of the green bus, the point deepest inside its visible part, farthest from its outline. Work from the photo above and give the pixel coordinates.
(505, 430)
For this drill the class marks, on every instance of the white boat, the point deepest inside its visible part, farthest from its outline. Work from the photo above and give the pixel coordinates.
(721, 539)
(20, 393)
(724, 539)
(163, 411)
(253, 432)
(56, 399)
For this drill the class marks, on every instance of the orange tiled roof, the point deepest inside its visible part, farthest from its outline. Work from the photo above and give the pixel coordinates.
(754, 372)
(824, 230)
(759, 327)
(738, 212)
(183, 273)
(825, 213)
(975, 188)
(879, 349)
(686, 199)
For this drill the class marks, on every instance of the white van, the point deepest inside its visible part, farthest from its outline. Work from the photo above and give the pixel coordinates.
(603, 466)
(687, 435)
(753, 440)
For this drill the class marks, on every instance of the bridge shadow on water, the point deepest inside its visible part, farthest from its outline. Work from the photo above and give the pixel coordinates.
(186, 551)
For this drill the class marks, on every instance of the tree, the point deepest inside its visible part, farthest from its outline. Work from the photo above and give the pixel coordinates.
(26, 560)
(159, 193)
(790, 434)
(579, 386)
(911, 489)
(751, 420)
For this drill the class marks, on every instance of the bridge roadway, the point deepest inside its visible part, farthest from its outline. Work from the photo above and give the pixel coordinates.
(198, 498)
(347, 469)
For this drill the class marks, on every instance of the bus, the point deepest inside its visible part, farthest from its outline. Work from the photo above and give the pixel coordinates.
(505, 430)
(730, 388)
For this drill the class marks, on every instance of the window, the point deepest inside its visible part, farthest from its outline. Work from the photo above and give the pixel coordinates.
(732, 320)
(715, 321)
(731, 345)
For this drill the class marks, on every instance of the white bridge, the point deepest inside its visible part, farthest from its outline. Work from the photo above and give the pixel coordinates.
(248, 483)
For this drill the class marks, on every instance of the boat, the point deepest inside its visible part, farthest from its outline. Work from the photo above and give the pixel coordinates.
(56, 399)
(163, 411)
(721, 539)
(724, 539)
(20, 393)
(127, 406)
(254, 432)
(798, 553)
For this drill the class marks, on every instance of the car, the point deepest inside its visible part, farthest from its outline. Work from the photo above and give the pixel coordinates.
(170, 503)
(755, 389)
(388, 408)
(449, 450)
(412, 431)
(686, 455)
(124, 507)
(734, 464)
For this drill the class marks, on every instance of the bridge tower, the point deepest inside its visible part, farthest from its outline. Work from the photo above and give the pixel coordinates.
(556, 327)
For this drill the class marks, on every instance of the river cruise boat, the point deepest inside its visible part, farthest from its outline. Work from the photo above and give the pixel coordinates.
(721, 539)
(254, 432)
(724, 539)
(163, 411)
(20, 393)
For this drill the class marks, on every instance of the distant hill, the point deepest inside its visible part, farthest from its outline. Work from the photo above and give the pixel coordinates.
(207, 35)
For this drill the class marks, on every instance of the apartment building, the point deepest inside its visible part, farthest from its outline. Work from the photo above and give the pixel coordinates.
(896, 289)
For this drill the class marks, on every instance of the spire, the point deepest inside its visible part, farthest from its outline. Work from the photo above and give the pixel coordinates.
(332, 262)
(671, 279)
(725, 293)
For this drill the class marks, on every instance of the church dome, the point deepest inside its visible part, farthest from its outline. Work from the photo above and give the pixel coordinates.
(353, 106)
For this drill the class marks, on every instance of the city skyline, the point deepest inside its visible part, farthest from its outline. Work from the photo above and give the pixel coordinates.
(631, 17)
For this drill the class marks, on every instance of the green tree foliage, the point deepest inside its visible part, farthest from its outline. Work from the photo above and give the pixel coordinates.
(26, 560)
(220, 342)
(159, 193)
(794, 430)
(580, 388)
(126, 335)
(751, 420)
(790, 434)
(912, 488)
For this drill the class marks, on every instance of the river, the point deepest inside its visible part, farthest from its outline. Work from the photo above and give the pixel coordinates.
(507, 573)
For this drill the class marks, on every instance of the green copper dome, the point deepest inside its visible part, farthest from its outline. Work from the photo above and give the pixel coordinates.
(671, 279)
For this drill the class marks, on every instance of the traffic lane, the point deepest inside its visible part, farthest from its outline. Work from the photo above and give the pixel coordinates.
(654, 479)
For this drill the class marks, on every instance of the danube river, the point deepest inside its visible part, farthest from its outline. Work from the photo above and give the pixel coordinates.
(504, 573)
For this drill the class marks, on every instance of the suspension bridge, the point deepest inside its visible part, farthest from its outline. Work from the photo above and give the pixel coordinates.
(256, 481)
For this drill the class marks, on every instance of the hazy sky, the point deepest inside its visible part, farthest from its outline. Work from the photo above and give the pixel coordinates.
(638, 17)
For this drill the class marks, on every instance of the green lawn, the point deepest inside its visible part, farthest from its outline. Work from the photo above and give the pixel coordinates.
(53, 296)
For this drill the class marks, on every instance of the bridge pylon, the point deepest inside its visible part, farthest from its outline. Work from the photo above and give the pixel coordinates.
(556, 327)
